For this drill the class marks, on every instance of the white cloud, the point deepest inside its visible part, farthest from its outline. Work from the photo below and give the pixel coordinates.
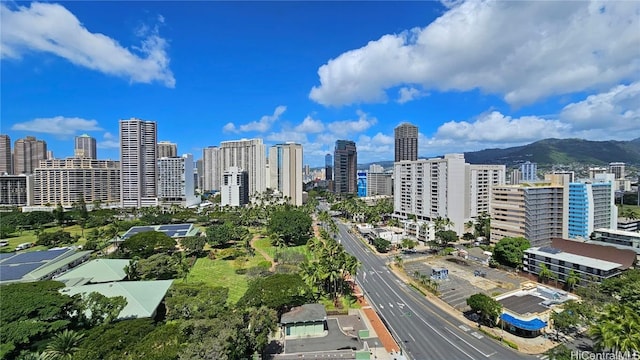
(51, 28)
(58, 125)
(521, 50)
(310, 126)
(261, 126)
(612, 114)
(615, 110)
(352, 127)
(495, 127)
(108, 142)
(285, 136)
(406, 94)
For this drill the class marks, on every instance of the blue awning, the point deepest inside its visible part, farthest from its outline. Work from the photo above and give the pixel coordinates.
(531, 325)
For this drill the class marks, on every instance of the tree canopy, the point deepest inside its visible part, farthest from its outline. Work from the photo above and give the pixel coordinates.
(147, 243)
(488, 308)
(293, 225)
(279, 292)
(33, 311)
(509, 251)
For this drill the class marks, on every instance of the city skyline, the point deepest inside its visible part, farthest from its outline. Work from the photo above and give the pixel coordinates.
(285, 75)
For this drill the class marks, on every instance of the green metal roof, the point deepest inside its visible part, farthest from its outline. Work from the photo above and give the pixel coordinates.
(53, 266)
(97, 271)
(143, 297)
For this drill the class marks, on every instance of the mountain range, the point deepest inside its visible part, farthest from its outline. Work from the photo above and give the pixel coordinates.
(553, 151)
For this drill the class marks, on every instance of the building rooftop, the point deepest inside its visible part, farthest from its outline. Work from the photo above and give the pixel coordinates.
(523, 304)
(574, 259)
(304, 313)
(96, 271)
(172, 230)
(143, 297)
(619, 232)
(601, 252)
(34, 265)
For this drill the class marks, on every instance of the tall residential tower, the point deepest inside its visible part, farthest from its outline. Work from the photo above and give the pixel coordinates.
(138, 161)
(27, 154)
(406, 136)
(5, 154)
(285, 165)
(345, 160)
(85, 147)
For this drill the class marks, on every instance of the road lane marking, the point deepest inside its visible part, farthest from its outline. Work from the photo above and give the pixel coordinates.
(465, 341)
(390, 304)
(464, 327)
(412, 338)
(475, 334)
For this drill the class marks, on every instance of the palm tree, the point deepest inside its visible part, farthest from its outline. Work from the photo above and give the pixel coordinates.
(572, 280)
(63, 345)
(398, 259)
(617, 330)
(545, 273)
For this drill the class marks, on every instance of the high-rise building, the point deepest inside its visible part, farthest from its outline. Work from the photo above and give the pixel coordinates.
(362, 183)
(285, 167)
(529, 171)
(444, 188)
(592, 206)
(406, 142)
(138, 160)
(248, 155)
(5, 155)
(66, 181)
(167, 149)
(211, 169)
(617, 169)
(16, 190)
(27, 154)
(85, 147)
(176, 181)
(345, 165)
(593, 171)
(379, 183)
(235, 189)
(535, 212)
(328, 167)
(199, 169)
(515, 177)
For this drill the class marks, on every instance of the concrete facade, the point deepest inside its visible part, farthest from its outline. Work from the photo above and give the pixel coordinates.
(138, 161)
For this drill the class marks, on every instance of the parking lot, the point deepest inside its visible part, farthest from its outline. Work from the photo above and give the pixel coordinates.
(461, 282)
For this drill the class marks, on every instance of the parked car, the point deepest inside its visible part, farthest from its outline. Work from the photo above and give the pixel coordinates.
(4, 243)
(24, 246)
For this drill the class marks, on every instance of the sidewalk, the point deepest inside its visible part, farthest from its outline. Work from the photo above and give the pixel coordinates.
(377, 327)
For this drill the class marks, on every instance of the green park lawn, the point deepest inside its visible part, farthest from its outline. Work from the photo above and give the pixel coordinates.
(29, 236)
(220, 272)
(265, 245)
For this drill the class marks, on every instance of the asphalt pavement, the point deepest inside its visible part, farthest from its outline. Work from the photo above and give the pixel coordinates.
(423, 330)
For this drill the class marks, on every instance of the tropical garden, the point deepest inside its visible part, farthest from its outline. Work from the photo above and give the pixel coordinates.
(231, 283)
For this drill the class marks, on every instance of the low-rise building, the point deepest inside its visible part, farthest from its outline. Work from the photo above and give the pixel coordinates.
(621, 239)
(591, 262)
(308, 320)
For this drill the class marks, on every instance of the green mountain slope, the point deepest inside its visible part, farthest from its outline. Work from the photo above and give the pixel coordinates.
(561, 151)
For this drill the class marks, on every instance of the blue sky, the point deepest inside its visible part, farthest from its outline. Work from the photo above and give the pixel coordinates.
(470, 75)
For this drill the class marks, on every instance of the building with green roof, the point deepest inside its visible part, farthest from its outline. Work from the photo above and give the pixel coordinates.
(95, 271)
(143, 297)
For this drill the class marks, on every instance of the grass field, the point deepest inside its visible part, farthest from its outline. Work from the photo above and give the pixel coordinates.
(29, 236)
(265, 244)
(223, 273)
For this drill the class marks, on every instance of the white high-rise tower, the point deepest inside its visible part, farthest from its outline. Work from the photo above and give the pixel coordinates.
(138, 161)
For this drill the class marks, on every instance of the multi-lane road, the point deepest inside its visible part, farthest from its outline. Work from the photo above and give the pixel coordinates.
(423, 330)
